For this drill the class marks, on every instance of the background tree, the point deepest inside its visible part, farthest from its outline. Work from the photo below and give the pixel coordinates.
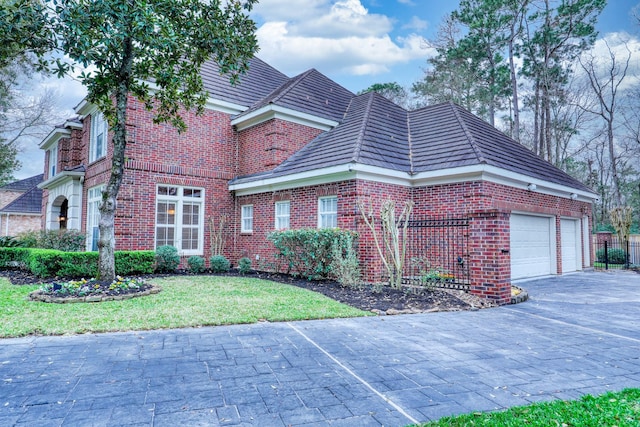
(392, 91)
(128, 44)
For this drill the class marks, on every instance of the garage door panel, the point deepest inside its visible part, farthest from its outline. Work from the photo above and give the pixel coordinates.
(531, 243)
(571, 245)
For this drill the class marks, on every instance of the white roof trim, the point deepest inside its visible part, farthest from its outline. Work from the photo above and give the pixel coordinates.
(61, 178)
(438, 177)
(54, 136)
(272, 111)
(224, 106)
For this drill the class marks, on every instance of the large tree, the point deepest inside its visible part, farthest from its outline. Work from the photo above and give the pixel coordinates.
(150, 49)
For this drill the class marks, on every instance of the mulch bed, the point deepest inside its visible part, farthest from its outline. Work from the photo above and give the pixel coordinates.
(379, 299)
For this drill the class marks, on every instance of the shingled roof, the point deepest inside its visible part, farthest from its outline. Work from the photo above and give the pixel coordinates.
(310, 92)
(23, 185)
(377, 132)
(260, 80)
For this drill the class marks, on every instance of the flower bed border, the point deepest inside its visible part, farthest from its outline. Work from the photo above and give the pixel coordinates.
(40, 296)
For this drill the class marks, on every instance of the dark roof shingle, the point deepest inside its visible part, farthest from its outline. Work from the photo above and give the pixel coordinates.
(23, 184)
(28, 203)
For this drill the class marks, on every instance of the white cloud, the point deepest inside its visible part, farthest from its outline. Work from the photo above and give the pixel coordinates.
(622, 45)
(340, 37)
(416, 24)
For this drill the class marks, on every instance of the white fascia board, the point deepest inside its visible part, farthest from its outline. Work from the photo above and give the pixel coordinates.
(224, 106)
(54, 136)
(499, 176)
(84, 108)
(271, 111)
(388, 176)
(61, 178)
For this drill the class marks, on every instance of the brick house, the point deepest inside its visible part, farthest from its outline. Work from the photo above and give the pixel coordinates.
(20, 206)
(276, 152)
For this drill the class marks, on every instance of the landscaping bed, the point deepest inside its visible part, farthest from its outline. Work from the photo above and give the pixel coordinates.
(375, 298)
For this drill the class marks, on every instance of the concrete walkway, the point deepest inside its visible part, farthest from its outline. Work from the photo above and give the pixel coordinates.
(579, 334)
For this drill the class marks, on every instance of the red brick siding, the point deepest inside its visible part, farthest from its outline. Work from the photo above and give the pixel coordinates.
(266, 145)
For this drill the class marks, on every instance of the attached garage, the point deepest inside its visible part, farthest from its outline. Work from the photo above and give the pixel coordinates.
(571, 245)
(532, 241)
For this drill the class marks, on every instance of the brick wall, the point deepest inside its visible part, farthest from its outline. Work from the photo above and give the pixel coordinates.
(15, 224)
(7, 197)
(266, 145)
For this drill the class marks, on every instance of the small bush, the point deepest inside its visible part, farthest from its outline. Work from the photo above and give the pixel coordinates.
(29, 239)
(344, 264)
(11, 257)
(219, 264)
(77, 264)
(134, 262)
(196, 264)
(308, 252)
(44, 262)
(167, 259)
(9, 242)
(244, 265)
(62, 240)
(616, 256)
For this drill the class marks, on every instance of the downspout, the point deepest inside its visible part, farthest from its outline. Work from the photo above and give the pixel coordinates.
(6, 225)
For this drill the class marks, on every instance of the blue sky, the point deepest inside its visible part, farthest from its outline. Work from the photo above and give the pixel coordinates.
(355, 42)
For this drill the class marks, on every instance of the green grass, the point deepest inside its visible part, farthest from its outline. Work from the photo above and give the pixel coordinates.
(184, 302)
(621, 409)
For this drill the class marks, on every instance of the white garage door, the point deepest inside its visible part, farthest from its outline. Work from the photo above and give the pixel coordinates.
(531, 246)
(571, 245)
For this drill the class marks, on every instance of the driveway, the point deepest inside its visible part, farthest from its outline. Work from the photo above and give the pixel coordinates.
(578, 334)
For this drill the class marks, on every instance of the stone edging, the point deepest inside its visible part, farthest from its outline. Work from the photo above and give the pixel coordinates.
(42, 297)
(521, 297)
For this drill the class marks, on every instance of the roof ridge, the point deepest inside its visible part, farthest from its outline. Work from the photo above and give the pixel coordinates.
(468, 133)
(290, 84)
(409, 142)
(365, 119)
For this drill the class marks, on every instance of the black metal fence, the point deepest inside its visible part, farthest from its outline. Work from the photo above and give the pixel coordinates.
(616, 254)
(438, 253)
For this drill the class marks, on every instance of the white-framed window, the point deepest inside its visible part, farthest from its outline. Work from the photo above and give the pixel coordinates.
(283, 210)
(328, 212)
(94, 197)
(53, 161)
(246, 219)
(98, 137)
(180, 218)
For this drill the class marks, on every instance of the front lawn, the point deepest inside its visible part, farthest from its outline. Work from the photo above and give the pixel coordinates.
(185, 301)
(620, 409)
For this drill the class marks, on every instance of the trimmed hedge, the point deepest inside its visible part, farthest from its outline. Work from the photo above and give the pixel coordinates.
(54, 263)
(308, 252)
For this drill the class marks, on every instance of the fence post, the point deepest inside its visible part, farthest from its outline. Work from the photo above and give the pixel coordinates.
(627, 254)
(606, 256)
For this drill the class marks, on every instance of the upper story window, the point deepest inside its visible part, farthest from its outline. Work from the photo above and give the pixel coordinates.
(246, 219)
(98, 137)
(180, 218)
(53, 161)
(328, 212)
(283, 210)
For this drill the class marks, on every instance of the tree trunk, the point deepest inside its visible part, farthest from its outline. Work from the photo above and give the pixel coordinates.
(107, 208)
(514, 91)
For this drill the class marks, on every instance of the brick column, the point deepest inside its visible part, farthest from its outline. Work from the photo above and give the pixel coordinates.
(490, 262)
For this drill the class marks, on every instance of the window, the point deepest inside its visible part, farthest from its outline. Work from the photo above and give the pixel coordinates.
(282, 215)
(246, 219)
(94, 196)
(99, 132)
(53, 161)
(328, 212)
(180, 218)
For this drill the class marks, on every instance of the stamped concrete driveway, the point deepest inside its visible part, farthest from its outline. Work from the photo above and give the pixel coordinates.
(578, 334)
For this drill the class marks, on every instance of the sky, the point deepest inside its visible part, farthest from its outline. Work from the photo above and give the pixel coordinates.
(354, 42)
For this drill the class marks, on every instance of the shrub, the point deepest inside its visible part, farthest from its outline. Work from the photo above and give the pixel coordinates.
(167, 259)
(309, 251)
(219, 264)
(62, 240)
(9, 242)
(29, 239)
(77, 264)
(344, 263)
(616, 255)
(135, 262)
(196, 264)
(244, 265)
(13, 257)
(44, 262)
